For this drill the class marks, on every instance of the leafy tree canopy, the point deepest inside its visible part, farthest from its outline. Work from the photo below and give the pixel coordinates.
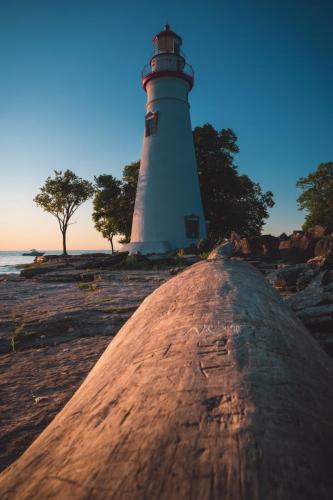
(231, 202)
(317, 197)
(129, 185)
(107, 209)
(61, 196)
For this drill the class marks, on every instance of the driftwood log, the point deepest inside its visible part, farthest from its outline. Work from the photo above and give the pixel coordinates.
(212, 390)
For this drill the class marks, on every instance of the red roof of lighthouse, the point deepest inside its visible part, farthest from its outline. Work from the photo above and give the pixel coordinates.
(167, 32)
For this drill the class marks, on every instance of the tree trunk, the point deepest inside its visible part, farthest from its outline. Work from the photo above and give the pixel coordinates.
(64, 248)
(212, 389)
(111, 242)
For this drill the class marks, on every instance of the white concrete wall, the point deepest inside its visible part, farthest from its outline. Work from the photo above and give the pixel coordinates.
(168, 187)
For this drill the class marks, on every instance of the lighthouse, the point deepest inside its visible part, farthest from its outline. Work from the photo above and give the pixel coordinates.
(168, 211)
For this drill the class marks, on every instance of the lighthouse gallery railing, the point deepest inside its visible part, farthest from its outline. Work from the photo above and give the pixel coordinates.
(186, 69)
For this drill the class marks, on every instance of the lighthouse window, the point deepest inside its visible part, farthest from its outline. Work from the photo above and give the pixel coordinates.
(151, 124)
(176, 46)
(192, 226)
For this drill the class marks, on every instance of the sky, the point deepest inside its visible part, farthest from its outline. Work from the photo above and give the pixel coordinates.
(71, 96)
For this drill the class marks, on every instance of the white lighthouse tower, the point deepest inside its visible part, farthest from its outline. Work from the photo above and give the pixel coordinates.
(168, 211)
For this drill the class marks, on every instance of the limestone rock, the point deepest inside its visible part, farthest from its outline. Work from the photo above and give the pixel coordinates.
(285, 277)
(315, 312)
(323, 246)
(317, 231)
(223, 251)
(213, 389)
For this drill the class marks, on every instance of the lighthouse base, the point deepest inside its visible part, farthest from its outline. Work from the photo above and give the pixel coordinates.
(146, 247)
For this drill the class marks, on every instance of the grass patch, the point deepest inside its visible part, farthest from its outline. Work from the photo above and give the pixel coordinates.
(13, 343)
(19, 330)
(204, 255)
(88, 287)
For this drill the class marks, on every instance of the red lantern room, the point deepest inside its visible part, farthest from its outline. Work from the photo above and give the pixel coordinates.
(167, 59)
(167, 41)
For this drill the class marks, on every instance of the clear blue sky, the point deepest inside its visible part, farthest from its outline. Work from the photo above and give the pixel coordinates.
(70, 95)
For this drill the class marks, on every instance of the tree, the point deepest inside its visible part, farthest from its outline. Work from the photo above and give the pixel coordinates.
(107, 204)
(231, 202)
(61, 196)
(317, 197)
(129, 185)
(250, 209)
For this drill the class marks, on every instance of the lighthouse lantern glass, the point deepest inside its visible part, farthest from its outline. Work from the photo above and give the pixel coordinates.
(167, 44)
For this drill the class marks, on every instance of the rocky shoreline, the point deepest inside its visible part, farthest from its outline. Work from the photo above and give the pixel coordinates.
(59, 314)
(52, 331)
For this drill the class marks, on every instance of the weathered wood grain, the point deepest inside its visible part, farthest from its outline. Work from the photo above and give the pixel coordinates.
(212, 390)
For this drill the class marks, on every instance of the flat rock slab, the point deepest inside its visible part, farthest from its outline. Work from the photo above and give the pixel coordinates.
(35, 385)
(36, 313)
(212, 389)
(60, 331)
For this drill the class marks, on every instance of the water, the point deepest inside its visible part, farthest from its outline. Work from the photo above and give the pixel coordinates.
(9, 260)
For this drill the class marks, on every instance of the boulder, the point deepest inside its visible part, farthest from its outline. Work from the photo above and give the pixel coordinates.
(286, 277)
(318, 311)
(249, 247)
(270, 247)
(317, 232)
(307, 274)
(323, 246)
(212, 389)
(97, 262)
(322, 261)
(264, 246)
(314, 306)
(311, 296)
(35, 270)
(285, 250)
(40, 259)
(66, 276)
(328, 277)
(224, 250)
(299, 248)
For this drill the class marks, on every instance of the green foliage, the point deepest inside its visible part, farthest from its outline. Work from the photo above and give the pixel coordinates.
(231, 202)
(317, 197)
(107, 206)
(88, 287)
(13, 343)
(129, 185)
(61, 196)
(19, 329)
(204, 255)
(114, 203)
